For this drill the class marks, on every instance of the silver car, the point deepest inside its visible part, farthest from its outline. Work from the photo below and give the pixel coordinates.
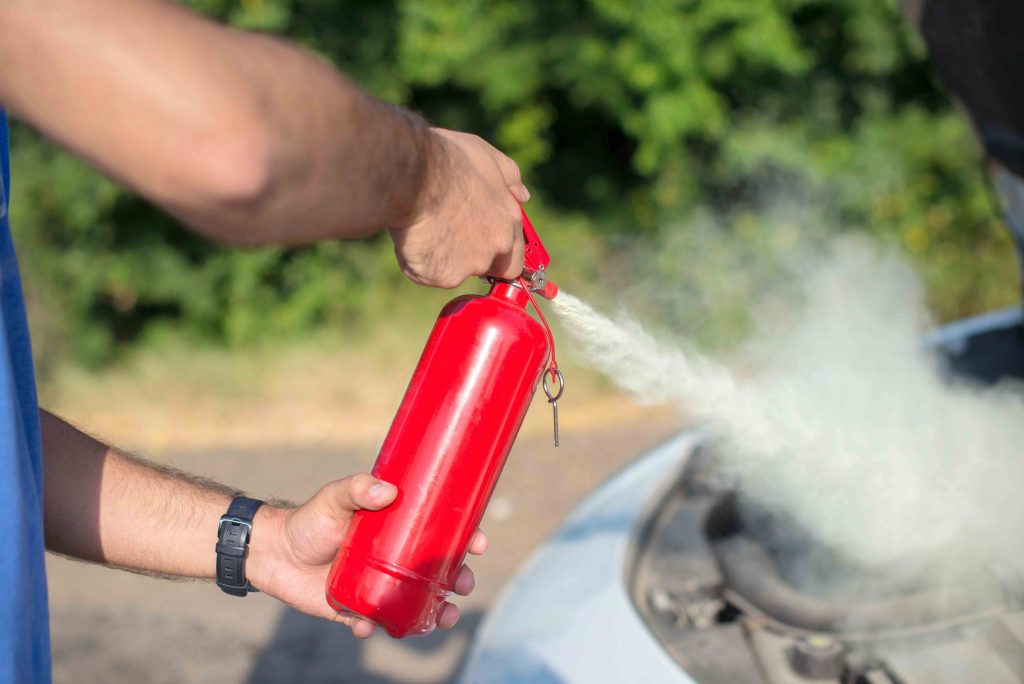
(662, 575)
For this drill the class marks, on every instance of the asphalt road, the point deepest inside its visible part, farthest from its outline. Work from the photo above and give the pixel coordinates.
(116, 627)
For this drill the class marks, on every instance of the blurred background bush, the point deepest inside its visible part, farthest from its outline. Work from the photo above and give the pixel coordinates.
(681, 142)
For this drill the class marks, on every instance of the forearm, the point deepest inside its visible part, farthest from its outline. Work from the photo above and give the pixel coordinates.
(105, 507)
(244, 137)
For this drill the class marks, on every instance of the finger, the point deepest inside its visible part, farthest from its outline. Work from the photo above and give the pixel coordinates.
(449, 616)
(509, 265)
(513, 176)
(478, 544)
(521, 193)
(465, 582)
(509, 170)
(341, 497)
(361, 628)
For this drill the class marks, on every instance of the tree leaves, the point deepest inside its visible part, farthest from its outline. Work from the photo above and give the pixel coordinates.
(624, 116)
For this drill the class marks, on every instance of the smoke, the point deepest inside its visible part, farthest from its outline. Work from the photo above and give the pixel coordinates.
(848, 427)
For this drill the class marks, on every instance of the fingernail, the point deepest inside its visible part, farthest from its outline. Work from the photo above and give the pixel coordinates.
(526, 194)
(381, 489)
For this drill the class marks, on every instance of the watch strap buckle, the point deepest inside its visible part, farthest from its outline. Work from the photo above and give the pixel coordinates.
(233, 533)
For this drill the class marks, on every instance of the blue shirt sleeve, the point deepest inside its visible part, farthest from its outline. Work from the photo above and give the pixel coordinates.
(24, 619)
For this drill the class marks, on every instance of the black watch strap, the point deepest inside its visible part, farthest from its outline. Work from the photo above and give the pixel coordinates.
(233, 536)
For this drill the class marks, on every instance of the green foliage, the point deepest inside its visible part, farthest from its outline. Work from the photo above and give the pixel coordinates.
(629, 120)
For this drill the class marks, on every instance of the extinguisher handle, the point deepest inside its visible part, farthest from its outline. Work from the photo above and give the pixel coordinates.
(536, 257)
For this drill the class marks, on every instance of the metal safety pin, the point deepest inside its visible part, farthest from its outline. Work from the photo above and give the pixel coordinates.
(553, 398)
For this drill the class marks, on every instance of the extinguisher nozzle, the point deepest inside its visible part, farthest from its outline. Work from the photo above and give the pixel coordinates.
(550, 291)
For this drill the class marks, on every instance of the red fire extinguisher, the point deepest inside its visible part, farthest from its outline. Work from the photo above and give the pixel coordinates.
(446, 448)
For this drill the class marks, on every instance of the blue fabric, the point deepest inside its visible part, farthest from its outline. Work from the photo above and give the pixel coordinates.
(24, 621)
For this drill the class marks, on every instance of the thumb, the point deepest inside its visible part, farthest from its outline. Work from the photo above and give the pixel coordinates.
(339, 499)
(314, 530)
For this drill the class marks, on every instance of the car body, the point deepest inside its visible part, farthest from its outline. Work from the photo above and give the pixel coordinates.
(637, 585)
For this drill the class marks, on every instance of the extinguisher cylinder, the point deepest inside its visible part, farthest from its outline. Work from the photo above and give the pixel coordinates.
(444, 452)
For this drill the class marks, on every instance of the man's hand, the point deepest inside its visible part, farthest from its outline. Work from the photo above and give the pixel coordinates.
(106, 507)
(467, 220)
(292, 550)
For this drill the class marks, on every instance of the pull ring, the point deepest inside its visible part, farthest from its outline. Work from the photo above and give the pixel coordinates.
(557, 373)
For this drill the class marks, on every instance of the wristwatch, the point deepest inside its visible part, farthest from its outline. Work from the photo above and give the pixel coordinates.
(233, 536)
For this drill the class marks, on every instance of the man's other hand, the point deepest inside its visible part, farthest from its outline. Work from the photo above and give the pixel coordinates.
(292, 550)
(467, 220)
